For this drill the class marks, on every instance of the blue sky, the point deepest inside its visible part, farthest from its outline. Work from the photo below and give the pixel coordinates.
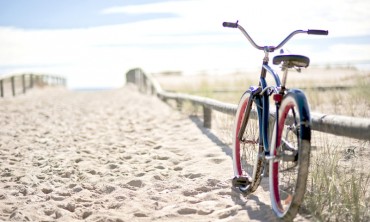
(66, 14)
(102, 39)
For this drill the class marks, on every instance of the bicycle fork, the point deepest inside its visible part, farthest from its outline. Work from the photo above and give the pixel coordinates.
(254, 91)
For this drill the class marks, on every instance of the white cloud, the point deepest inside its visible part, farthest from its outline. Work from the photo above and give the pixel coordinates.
(192, 41)
(344, 17)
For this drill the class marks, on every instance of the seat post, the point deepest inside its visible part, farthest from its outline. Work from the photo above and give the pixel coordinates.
(285, 76)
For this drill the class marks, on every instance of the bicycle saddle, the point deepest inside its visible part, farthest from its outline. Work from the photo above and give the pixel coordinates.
(292, 60)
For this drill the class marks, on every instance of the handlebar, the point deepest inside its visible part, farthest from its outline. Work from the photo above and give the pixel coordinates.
(230, 24)
(317, 32)
(273, 48)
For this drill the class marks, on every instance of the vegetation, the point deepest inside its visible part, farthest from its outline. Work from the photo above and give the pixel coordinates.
(339, 180)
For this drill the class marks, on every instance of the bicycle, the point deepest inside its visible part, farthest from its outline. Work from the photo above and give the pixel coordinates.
(283, 149)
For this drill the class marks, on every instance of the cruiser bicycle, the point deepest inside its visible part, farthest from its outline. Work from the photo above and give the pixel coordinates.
(274, 143)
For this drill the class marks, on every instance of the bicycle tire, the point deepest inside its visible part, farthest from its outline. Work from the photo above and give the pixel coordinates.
(247, 161)
(290, 147)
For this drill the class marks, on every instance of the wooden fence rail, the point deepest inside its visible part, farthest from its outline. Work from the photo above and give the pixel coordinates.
(18, 84)
(357, 128)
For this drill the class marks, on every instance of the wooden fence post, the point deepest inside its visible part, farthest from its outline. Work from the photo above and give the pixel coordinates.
(31, 81)
(179, 104)
(24, 83)
(13, 85)
(152, 90)
(207, 117)
(138, 79)
(144, 84)
(1, 88)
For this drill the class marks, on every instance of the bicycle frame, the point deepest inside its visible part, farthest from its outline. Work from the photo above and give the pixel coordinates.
(261, 98)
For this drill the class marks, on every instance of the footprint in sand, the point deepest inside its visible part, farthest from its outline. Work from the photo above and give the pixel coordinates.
(57, 198)
(161, 157)
(92, 172)
(46, 190)
(136, 183)
(127, 157)
(139, 174)
(185, 211)
(160, 167)
(204, 189)
(193, 175)
(68, 206)
(210, 155)
(140, 215)
(49, 211)
(229, 211)
(159, 177)
(157, 147)
(107, 189)
(213, 182)
(190, 193)
(86, 214)
(177, 168)
(205, 211)
(112, 166)
(216, 160)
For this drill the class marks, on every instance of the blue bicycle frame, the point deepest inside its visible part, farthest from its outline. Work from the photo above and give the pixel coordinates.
(263, 105)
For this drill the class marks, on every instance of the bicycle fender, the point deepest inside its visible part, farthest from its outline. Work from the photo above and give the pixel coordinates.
(304, 110)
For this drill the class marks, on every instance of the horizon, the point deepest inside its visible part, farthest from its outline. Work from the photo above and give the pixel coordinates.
(94, 43)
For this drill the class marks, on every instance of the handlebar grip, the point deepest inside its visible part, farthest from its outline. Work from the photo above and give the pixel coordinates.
(317, 32)
(230, 24)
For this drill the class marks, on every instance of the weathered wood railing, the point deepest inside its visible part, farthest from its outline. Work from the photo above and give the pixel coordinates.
(358, 128)
(18, 84)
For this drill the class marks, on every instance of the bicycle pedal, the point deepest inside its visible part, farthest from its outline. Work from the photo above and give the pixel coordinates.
(241, 181)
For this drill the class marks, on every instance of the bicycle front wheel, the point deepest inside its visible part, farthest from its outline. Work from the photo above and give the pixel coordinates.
(247, 161)
(290, 147)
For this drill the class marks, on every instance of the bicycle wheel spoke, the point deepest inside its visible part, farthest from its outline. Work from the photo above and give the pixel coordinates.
(249, 149)
(249, 141)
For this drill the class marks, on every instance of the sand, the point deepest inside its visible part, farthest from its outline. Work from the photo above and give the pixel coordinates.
(115, 156)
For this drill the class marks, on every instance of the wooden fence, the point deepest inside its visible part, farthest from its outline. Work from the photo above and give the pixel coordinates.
(357, 128)
(20, 84)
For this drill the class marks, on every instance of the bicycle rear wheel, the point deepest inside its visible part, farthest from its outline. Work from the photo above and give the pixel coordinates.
(290, 147)
(247, 163)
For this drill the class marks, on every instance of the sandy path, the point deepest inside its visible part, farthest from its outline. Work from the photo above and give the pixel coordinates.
(114, 156)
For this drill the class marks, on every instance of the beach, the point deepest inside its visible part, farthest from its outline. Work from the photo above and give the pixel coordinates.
(115, 155)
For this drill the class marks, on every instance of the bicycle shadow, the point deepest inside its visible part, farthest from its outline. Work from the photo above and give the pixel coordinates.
(207, 132)
(255, 204)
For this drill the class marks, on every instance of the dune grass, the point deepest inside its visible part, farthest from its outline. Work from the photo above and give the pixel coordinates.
(339, 180)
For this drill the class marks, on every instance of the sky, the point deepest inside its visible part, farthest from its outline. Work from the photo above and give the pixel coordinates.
(93, 43)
